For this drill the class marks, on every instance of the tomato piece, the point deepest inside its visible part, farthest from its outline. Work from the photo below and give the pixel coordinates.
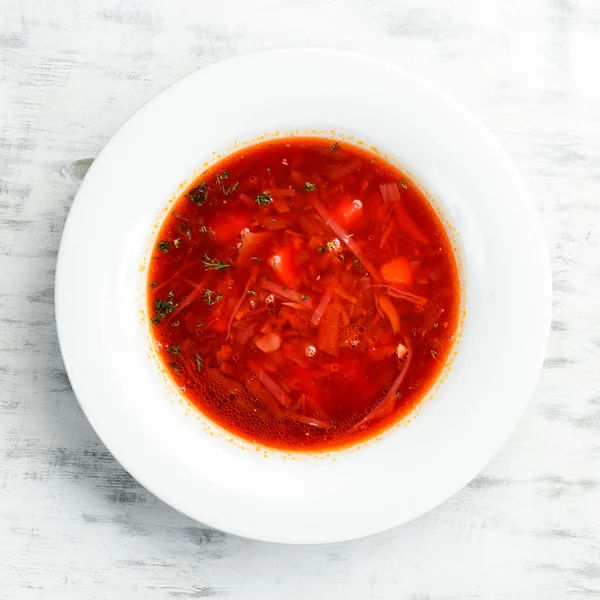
(349, 211)
(252, 244)
(397, 272)
(284, 265)
(228, 225)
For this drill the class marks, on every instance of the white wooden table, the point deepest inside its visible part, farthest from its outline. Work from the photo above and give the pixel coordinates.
(74, 525)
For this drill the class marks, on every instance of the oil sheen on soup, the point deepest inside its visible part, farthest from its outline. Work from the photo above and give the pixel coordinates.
(303, 294)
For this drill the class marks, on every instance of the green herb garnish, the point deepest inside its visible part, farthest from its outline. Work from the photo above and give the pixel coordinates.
(164, 246)
(256, 258)
(310, 187)
(175, 324)
(184, 229)
(214, 264)
(199, 194)
(264, 199)
(163, 307)
(335, 147)
(305, 297)
(177, 242)
(251, 293)
(404, 184)
(220, 177)
(174, 350)
(231, 188)
(434, 354)
(199, 362)
(154, 283)
(211, 297)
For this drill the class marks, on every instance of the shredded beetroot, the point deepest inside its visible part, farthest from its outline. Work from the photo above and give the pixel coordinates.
(277, 392)
(389, 192)
(347, 239)
(184, 267)
(323, 304)
(387, 233)
(286, 292)
(198, 290)
(265, 397)
(299, 418)
(386, 405)
(400, 294)
(244, 295)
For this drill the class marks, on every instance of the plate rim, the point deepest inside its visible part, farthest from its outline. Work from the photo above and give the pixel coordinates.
(442, 95)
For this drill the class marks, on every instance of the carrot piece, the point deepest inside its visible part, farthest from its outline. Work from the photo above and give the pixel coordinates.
(397, 271)
(390, 312)
(269, 342)
(345, 295)
(345, 317)
(296, 305)
(329, 330)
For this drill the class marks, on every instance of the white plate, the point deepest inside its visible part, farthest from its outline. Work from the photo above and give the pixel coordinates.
(271, 495)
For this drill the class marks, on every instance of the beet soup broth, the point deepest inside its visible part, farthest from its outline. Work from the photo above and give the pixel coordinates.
(304, 294)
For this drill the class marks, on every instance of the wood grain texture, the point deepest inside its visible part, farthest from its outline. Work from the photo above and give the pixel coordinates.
(74, 525)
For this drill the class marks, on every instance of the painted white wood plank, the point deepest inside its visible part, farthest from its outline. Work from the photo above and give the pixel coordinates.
(74, 525)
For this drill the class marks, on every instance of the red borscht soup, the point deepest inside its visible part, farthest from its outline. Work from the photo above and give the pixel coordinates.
(303, 294)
